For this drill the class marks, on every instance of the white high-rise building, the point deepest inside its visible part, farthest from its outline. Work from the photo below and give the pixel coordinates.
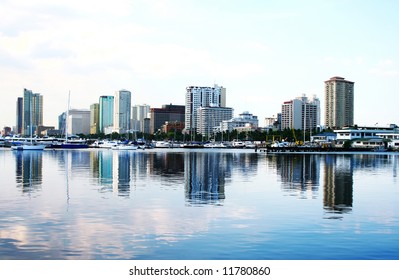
(197, 97)
(139, 114)
(122, 109)
(301, 113)
(210, 118)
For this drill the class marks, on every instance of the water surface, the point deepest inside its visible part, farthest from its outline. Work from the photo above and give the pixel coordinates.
(197, 204)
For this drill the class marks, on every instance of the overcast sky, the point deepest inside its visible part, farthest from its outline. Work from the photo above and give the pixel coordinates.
(263, 52)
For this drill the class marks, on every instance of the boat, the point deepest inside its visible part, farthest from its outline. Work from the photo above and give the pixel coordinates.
(192, 145)
(127, 147)
(29, 145)
(236, 144)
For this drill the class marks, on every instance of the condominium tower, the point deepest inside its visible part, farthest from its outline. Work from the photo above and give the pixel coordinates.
(339, 99)
(106, 113)
(197, 97)
(301, 113)
(122, 111)
(32, 113)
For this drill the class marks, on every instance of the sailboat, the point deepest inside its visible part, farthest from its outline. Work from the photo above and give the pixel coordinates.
(72, 144)
(29, 145)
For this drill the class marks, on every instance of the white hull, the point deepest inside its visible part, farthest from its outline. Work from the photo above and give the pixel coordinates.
(28, 148)
(124, 148)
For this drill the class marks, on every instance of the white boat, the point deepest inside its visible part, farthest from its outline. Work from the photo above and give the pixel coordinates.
(29, 145)
(162, 144)
(125, 147)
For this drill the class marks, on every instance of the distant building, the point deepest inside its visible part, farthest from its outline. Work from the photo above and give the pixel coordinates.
(197, 97)
(139, 114)
(94, 118)
(32, 111)
(78, 121)
(62, 122)
(42, 130)
(339, 103)
(173, 127)
(244, 122)
(301, 113)
(106, 113)
(168, 113)
(6, 131)
(122, 111)
(20, 112)
(210, 118)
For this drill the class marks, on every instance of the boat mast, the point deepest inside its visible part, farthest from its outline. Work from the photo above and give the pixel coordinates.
(67, 118)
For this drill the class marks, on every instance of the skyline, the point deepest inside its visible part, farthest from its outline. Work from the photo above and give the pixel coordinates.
(265, 51)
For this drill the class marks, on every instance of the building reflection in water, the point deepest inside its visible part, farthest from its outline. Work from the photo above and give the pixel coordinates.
(121, 172)
(338, 183)
(204, 176)
(29, 165)
(300, 174)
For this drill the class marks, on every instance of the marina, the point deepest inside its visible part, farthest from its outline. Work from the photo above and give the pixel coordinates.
(212, 204)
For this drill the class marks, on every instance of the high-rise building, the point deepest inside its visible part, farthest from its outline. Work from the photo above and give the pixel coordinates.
(301, 113)
(339, 102)
(106, 112)
(94, 118)
(32, 114)
(210, 119)
(122, 111)
(197, 97)
(20, 110)
(139, 114)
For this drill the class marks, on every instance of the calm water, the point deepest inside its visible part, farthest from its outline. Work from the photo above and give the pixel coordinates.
(186, 204)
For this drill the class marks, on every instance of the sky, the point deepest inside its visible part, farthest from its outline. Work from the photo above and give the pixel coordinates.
(263, 52)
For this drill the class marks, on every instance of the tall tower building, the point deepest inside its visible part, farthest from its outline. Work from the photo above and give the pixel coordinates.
(197, 97)
(122, 111)
(106, 112)
(139, 114)
(20, 109)
(32, 114)
(94, 118)
(339, 99)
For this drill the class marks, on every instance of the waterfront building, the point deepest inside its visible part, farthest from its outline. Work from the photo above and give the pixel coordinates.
(94, 118)
(78, 121)
(339, 102)
(244, 122)
(168, 113)
(62, 122)
(106, 113)
(20, 108)
(301, 113)
(122, 111)
(32, 113)
(209, 119)
(197, 97)
(139, 114)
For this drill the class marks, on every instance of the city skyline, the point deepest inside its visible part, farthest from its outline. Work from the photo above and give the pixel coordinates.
(263, 52)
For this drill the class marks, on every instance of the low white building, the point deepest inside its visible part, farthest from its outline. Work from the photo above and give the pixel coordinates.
(369, 137)
(244, 122)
